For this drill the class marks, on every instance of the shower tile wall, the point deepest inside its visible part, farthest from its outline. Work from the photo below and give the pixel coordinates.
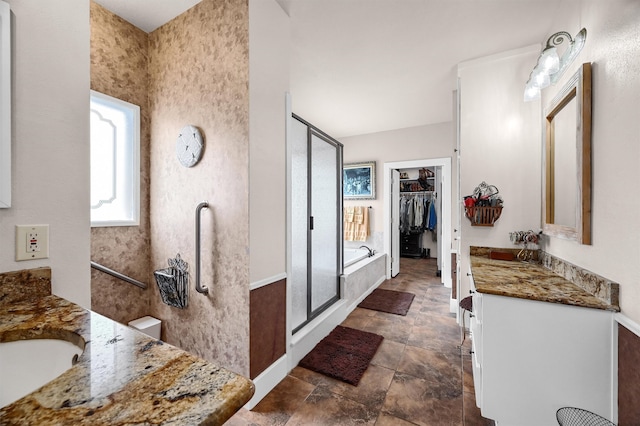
(199, 74)
(119, 58)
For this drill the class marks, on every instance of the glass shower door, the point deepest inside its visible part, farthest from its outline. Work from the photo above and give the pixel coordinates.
(324, 228)
(299, 223)
(316, 222)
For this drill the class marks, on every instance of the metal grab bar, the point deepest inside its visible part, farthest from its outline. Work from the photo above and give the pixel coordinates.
(199, 288)
(113, 273)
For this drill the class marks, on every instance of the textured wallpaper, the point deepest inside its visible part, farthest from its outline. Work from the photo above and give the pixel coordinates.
(119, 62)
(199, 73)
(192, 70)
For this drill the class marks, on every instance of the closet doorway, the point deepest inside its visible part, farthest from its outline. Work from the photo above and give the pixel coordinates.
(420, 184)
(418, 214)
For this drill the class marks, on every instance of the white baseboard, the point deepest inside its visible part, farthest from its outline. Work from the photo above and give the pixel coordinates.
(307, 338)
(268, 380)
(267, 281)
(453, 306)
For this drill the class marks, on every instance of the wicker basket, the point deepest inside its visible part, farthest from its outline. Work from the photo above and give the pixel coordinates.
(483, 216)
(173, 284)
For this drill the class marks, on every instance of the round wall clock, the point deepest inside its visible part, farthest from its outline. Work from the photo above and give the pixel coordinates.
(189, 146)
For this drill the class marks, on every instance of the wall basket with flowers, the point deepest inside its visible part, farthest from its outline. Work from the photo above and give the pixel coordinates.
(484, 206)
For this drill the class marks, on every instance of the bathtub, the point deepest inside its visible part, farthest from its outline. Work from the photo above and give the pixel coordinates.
(361, 277)
(352, 256)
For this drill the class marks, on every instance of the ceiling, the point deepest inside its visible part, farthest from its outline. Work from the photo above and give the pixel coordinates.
(147, 14)
(365, 66)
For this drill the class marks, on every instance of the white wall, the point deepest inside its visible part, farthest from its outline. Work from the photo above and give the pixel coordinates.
(50, 140)
(268, 82)
(422, 142)
(500, 144)
(613, 47)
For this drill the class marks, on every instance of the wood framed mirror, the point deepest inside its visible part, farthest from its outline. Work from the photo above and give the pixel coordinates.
(567, 161)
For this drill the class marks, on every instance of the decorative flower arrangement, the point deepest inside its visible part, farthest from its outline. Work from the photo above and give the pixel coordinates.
(484, 206)
(484, 196)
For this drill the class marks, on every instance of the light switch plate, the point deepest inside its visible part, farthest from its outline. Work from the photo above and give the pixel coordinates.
(32, 242)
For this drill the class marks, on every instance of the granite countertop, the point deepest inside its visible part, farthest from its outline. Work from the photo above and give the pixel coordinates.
(122, 377)
(530, 281)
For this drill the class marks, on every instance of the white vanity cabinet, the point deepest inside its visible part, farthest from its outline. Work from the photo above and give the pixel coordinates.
(531, 358)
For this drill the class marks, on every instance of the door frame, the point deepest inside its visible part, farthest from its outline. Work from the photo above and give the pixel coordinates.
(445, 216)
(313, 131)
(394, 223)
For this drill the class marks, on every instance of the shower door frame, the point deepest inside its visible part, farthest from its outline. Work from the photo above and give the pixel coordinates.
(314, 131)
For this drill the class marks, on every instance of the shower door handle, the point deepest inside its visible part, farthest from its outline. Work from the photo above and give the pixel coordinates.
(311, 223)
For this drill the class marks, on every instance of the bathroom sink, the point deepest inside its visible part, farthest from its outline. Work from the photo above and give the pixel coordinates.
(26, 365)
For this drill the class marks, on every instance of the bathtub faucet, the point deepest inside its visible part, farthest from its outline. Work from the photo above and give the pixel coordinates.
(371, 253)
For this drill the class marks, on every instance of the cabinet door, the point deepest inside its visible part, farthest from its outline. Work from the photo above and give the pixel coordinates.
(475, 327)
(454, 276)
(537, 357)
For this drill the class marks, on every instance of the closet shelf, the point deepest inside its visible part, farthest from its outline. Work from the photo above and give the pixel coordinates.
(416, 192)
(416, 185)
(429, 177)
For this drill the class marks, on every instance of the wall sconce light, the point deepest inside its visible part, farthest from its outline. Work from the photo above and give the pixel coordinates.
(551, 66)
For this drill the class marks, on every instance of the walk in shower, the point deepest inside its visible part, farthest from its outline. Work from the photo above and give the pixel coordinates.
(316, 221)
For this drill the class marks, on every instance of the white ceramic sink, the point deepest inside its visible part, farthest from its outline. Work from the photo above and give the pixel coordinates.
(26, 365)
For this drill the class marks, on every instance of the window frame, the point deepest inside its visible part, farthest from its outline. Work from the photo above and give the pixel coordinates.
(132, 113)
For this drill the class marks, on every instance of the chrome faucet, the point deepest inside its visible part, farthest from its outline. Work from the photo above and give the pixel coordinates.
(371, 252)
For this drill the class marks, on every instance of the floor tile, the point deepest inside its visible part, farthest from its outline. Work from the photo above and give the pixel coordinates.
(385, 419)
(433, 305)
(356, 321)
(471, 413)
(418, 376)
(389, 354)
(391, 329)
(280, 404)
(467, 375)
(423, 402)
(434, 366)
(372, 389)
(326, 408)
(309, 376)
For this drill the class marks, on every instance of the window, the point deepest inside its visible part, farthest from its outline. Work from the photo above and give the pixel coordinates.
(115, 162)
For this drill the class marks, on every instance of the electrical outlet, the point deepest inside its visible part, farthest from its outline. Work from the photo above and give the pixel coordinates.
(32, 242)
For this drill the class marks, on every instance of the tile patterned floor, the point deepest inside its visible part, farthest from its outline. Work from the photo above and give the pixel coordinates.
(419, 376)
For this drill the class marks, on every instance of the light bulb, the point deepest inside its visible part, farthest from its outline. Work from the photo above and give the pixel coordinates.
(531, 92)
(541, 78)
(549, 60)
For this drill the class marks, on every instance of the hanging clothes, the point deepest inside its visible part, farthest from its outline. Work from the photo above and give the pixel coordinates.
(433, 218)
(414, 210)
(418, 203)
(404, 205)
